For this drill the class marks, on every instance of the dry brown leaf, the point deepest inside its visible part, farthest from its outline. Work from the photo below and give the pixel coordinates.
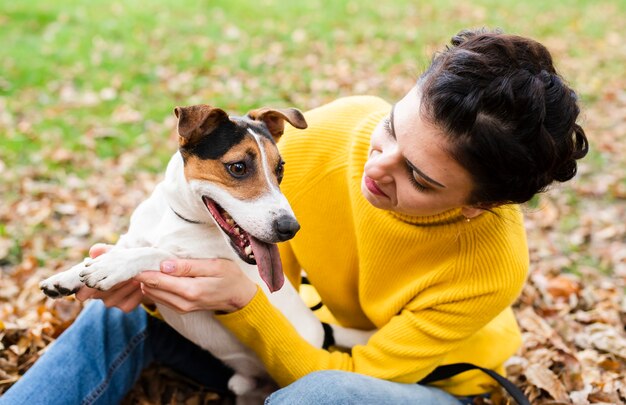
(563, 286)
(546, 380)
(603, 337)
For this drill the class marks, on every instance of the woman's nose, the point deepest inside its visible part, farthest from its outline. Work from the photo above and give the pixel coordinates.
(381, 164)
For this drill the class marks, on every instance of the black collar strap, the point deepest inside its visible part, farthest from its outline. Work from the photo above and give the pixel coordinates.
(185, 219)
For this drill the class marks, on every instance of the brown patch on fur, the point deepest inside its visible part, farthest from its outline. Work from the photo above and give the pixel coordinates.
(274, 119)
(197, 120)
(253, 185)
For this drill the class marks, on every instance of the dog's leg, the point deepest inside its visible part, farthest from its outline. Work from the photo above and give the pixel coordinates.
(118, 265)
(347, 338)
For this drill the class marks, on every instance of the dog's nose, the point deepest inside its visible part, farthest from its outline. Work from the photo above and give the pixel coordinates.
(286, 227)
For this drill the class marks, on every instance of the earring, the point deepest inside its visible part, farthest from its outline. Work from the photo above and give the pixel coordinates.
(467, 219)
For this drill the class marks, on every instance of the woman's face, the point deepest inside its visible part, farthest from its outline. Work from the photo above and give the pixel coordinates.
(408, 170)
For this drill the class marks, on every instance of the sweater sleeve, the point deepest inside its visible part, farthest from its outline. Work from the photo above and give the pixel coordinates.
(405, 350)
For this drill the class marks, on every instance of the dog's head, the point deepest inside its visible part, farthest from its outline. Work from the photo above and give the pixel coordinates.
(233, 165)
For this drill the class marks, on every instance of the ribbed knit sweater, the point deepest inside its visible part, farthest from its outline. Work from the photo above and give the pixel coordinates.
(438, 288)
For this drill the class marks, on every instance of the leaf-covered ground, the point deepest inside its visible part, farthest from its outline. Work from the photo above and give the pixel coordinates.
(86, 94)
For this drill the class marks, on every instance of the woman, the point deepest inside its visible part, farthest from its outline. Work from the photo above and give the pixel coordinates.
(409, 226)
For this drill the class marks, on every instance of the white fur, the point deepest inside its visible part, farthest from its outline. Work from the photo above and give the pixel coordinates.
(156, 233)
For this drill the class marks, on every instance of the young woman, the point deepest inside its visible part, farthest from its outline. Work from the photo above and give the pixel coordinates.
(410, 225)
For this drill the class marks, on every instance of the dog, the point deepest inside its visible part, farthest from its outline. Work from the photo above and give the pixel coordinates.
(219, 198)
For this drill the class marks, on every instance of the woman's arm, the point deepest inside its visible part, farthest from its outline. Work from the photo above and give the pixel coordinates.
(407, 349)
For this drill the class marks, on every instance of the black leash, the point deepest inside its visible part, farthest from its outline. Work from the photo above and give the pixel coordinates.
(329, 336)
(450, 370)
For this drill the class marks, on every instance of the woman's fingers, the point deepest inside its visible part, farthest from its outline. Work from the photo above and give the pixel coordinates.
(159, 281)
(225, 288)
(85, 293)
(172, 300)
(186, 278)
(131, 301)
(98, 249)
(120, 295)
(195, 267)
(125, 296)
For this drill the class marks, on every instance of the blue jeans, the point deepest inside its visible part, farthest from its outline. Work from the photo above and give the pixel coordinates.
(345, 388)
(99, 358)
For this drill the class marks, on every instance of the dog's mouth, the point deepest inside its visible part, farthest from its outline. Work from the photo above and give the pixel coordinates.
(250, 249)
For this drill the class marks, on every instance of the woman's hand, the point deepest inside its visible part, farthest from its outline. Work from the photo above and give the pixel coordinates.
(204, 284)
(125, 296)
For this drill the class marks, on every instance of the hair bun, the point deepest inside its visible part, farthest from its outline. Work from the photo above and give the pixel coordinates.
(464, 35)
(546, 78)
(510, 117)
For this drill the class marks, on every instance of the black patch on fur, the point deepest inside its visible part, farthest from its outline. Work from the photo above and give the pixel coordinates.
(257, 127)
(214, 145)
(224, 137)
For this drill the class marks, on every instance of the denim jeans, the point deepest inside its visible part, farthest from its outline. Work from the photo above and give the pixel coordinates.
(99, 358)
(342, 387)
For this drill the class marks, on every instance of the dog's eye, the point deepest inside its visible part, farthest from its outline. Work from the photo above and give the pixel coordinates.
(237, 169)
(280, 170)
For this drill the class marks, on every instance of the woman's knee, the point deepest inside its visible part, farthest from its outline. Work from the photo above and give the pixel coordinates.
(342, 387)
(322, 387)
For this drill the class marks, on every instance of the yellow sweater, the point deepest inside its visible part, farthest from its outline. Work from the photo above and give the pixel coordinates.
(438, 289)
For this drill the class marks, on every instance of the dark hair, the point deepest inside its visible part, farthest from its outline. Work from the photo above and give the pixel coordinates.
(509, 116)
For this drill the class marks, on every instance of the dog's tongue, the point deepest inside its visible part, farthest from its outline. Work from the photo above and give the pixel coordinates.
(268, 262)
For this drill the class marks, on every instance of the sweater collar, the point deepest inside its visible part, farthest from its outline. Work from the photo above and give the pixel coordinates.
(452, 216)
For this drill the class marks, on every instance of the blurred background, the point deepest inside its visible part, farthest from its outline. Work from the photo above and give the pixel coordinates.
(87, 90)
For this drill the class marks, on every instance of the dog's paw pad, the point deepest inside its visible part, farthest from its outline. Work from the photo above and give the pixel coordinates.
(66, 291)
(50, 292)
(56, 291)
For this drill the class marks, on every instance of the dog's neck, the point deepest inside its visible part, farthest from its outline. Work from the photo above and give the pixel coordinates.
(179, 195)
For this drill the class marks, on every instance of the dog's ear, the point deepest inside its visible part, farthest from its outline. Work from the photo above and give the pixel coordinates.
(196, 121)
(274, 119)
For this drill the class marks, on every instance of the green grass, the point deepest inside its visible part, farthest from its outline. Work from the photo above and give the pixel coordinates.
(136, 47)
(267, 49)
(67, 68)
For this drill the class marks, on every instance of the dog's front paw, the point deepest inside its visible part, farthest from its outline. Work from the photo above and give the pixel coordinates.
(105, 271)
(62, 284)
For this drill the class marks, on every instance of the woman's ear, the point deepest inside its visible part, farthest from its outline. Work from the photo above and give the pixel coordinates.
(471, 212)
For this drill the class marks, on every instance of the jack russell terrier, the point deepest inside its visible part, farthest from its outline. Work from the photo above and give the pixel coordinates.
(220, 198)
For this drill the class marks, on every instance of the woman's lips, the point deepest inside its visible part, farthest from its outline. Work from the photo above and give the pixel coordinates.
(373, 188)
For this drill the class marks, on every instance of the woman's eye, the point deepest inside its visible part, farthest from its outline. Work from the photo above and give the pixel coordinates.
(237, 169)
(413, 178)
(387, 125)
